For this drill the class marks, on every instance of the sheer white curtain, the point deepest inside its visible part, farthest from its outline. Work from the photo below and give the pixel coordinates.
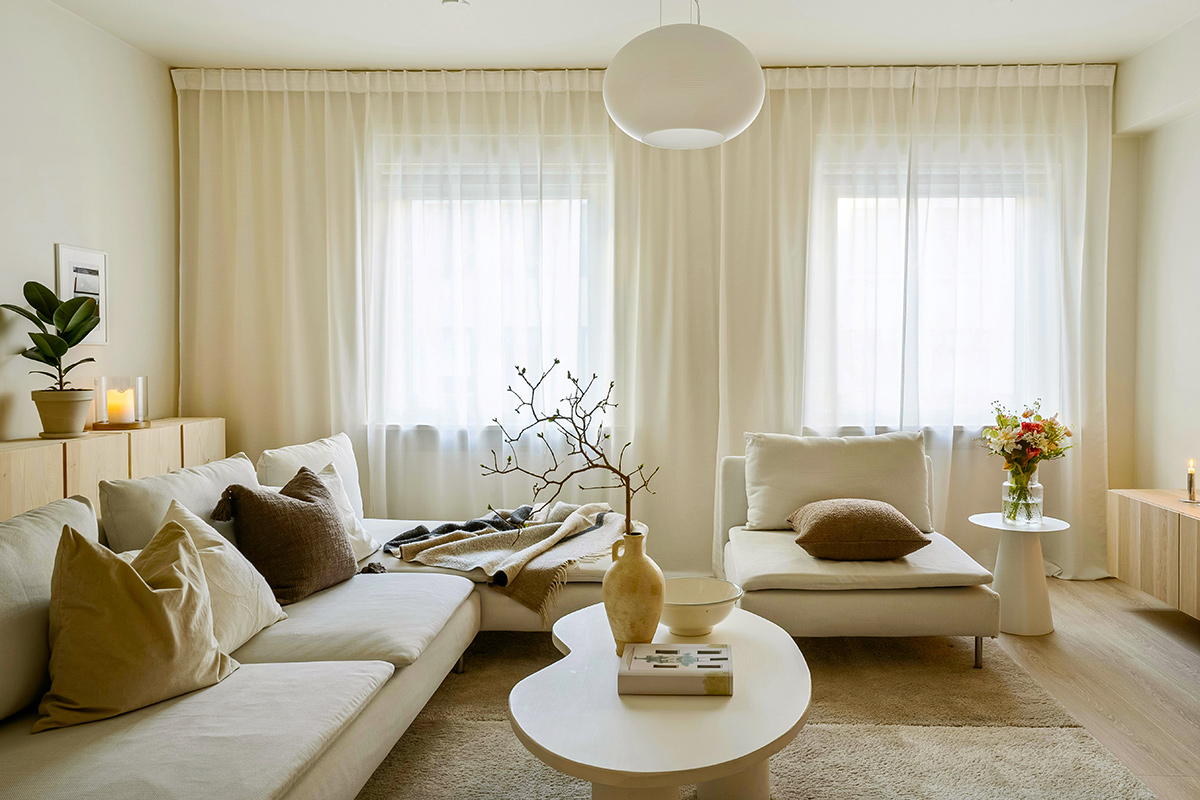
(490, 246)
(884, 247)
(375, 252)
(955, 259)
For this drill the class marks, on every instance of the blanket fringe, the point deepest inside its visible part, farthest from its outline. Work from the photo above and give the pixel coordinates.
(559, 583)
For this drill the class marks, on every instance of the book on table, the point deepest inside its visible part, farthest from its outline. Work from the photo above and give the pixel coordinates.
(676, 669)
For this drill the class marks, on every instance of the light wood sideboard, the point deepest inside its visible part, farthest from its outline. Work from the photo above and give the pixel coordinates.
(1154, 545)
(34, 472)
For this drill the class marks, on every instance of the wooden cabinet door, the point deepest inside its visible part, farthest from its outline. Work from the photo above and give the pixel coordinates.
(1144, 547)
(94, 458)
(31, 475)
(1189, 565)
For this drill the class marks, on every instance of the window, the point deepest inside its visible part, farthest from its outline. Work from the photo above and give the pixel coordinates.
(934, 285)
(490, 253)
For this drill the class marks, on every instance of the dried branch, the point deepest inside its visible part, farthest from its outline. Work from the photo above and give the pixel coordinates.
(583, 434)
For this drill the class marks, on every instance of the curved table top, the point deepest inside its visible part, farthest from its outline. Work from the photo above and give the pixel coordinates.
(570, 716)
(995, 521)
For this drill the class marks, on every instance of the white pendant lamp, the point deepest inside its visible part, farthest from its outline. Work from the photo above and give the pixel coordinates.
(684, 87)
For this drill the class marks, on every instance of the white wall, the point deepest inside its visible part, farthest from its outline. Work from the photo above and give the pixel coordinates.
(87, 157)
(1167, 399)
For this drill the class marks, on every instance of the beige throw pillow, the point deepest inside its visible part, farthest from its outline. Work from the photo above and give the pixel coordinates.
(124, 636)
(855, 530)
(242, 602)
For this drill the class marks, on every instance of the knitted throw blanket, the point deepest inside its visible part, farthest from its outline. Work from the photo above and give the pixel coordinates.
(525, 554)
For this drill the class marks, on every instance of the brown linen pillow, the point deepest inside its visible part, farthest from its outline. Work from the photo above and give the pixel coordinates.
(126, 635)
(295, 537)
(855, 530)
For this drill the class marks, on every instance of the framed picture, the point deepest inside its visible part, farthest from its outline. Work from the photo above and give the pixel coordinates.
(82, 272)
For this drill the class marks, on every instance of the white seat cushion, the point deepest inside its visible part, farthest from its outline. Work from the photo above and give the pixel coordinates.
(385, 530)
(250, 736)
(384, 617)
(758, 560)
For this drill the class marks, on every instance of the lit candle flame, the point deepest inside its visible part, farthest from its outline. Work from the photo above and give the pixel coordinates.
(1191, 465)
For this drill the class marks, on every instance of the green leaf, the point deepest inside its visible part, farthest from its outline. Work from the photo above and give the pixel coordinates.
(26, 314)
(73, 313)
(76, 364)
(43, 372)
(80, 332)
(51, 346)
(33, 355)
(42, 300)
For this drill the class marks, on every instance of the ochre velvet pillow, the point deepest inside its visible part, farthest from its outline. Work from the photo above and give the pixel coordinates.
(296, 538)
(125, 635)
(855, 530)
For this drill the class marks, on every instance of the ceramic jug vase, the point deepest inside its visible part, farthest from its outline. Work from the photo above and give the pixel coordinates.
(633, 592)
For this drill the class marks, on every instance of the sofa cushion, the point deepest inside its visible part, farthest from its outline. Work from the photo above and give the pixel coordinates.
(385, 530)
(242, 602)
(855, 530)
(383, 617)
(249, 737)
(786, 472)
(28, 543)
(133, 509)
(277, 467)
(126, 635)
(758, 560)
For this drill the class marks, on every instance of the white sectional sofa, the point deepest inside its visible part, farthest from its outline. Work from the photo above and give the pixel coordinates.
(320, 699)
(936, 591)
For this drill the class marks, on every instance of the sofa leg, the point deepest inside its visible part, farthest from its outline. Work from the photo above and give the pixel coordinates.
(461, 665)
(978, 652)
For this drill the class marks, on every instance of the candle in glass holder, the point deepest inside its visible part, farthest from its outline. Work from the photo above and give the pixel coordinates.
(1191, 480)
(120, 406)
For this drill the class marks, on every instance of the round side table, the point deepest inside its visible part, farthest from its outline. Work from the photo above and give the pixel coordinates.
(1020, 576)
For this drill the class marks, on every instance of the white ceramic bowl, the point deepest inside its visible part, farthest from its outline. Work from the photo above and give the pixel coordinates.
(692, 606)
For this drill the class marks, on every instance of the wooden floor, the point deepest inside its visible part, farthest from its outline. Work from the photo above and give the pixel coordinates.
(1128, 668)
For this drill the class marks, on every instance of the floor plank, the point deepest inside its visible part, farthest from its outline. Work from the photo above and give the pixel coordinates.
(1127, 666)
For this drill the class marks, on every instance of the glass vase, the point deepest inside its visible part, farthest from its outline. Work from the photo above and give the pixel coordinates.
(1022, 498)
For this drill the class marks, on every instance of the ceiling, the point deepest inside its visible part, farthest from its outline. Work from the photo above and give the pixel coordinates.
(424, 34)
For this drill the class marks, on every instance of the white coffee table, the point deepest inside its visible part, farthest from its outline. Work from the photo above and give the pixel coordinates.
(1020, 575)
(570, 716)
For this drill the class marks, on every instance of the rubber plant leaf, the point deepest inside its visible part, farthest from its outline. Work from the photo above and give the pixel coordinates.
(73, 312)
(34, 355)
(76, 364)
(51, 346)
(26, 314)
(42, 300)
(80, 332)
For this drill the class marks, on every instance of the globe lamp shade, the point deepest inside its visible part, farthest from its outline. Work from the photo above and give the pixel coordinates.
(684, 87)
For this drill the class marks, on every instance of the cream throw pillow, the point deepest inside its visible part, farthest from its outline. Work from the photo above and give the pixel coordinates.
(124, 636)
(242, 602)
(364, 544)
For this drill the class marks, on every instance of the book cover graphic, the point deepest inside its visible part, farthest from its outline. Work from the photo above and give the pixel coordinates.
(676, 669)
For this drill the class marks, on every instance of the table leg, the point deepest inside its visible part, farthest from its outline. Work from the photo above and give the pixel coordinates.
(602, 791)
(1021, 583)
(750, 784)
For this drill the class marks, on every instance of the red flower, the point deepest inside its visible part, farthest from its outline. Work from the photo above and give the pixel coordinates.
(1033, 453)
(1026, 427)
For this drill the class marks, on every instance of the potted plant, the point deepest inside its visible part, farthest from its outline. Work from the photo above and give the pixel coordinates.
(63, 410)
(633, 586)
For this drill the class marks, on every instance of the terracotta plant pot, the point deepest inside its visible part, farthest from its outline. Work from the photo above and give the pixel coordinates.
(63, 413)
(633, 593)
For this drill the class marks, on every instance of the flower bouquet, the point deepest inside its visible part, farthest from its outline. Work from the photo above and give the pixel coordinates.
(1025, 440)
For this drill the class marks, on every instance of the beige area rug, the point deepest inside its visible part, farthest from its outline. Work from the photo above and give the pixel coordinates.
(891, 718)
